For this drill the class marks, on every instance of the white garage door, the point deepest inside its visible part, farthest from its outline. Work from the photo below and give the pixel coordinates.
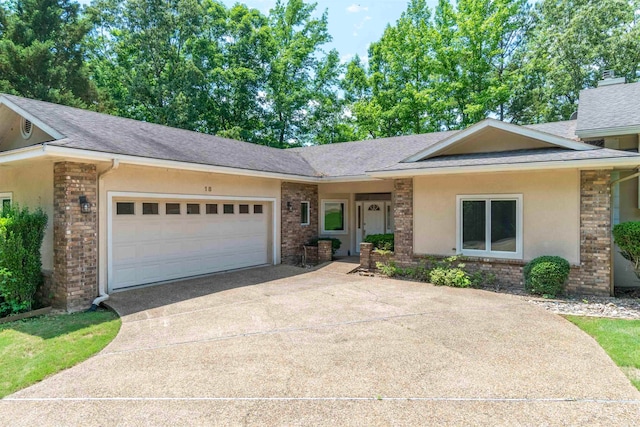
(156, 240)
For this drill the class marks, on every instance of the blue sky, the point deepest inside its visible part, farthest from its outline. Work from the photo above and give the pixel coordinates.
(353, 24)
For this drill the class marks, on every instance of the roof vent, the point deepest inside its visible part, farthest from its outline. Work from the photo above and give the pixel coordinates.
(609, 78)
(26, 128)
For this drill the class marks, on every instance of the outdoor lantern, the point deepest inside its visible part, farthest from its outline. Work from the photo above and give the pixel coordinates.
(85, 206)
(289, 206)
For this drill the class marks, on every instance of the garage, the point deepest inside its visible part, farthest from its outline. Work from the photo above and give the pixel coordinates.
(154, 240)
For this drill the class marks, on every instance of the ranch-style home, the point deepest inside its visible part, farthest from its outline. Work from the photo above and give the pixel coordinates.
(132, 203)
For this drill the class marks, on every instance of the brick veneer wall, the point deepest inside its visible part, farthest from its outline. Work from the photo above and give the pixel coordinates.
(592, 276)
(324, 251)
(403, 220)
(293, 234)
(74, 281)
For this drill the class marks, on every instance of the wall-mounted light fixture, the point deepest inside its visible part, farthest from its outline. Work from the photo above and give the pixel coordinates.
(85, 206)
(289, 206)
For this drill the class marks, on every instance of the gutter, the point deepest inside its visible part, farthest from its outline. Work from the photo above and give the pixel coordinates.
(102, 294)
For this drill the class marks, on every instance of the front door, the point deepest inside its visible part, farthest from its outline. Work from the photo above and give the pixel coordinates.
(370, 219)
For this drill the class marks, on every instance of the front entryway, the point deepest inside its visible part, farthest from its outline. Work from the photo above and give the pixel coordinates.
(373, 217)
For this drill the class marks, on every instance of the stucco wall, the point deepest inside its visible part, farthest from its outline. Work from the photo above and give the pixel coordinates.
(10, 135)
(168, 181)
(551, 207)
(32, 186)
(347, 191)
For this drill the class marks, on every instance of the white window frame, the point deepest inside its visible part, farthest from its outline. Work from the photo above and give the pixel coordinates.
(308, 209)
(6, 196)
(345, 203)
(518, 254)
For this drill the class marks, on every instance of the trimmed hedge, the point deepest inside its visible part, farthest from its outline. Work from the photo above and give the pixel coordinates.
(21, 236)
(335, 243)
(381, 241)
(546, 275)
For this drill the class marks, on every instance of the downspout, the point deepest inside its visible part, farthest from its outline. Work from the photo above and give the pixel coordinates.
(102, 294)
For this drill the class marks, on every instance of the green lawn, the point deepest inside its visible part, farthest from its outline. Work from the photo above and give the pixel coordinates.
(32, 349)
(619, 338)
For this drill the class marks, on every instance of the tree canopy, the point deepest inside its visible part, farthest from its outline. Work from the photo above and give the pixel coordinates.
(269, 79)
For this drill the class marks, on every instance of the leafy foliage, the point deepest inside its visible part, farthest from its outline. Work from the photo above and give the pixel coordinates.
(381, 241)
(546, 275)
(42, 54)
(627, 236)
(21, 235)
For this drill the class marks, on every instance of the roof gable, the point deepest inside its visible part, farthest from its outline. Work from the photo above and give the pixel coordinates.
(491, 135)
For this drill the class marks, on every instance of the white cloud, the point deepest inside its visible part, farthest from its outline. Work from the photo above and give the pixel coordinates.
(346, 58)
(356, 8)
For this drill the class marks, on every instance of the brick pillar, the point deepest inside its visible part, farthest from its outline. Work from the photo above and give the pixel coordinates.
(324, 251)
(403, 218)
(293, 235)
(75, 236)
(594, 275)
(365, 255)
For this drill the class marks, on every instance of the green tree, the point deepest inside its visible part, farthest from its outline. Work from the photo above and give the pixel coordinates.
(296, 59)
(571, 43)
(42, 53)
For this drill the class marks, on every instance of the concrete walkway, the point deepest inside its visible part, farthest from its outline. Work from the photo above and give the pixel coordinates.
(284, 345)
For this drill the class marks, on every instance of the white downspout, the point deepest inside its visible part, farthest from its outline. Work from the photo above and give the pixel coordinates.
(102, 293)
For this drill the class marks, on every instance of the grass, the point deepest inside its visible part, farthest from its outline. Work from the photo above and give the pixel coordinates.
(620, 338)
(33, 349)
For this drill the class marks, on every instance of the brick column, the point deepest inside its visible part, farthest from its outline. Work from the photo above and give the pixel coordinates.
(324, 251)
(365, 255)
(594, 275)
(293, 235)
(403, 217)
(75, 236)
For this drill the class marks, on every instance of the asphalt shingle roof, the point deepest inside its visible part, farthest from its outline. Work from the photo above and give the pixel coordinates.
(88, 130)
(512, 157)
(93, 131)
(608, 107)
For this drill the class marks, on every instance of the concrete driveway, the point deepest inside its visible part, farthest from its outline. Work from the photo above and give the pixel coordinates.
(282, 345)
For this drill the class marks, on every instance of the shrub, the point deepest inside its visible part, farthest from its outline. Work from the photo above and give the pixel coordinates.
(388, 269)
(335, 243)
(21, 236)
(627, 236)
(381, 241)
(546, 275)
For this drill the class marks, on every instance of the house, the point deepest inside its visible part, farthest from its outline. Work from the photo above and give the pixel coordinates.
(132, 203)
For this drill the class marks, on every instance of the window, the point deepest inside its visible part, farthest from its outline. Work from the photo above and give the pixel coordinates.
(228, 209)
(490, 226)
(212, 208)
(172, 208)
(304, 213)
(193, 209)
(149, 209)
(334, 214)
(389, 219)
(257, 209)
(244, 209)
(5, 200)
(125, 208)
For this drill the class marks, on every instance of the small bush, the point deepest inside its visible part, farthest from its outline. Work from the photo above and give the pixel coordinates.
(335, 243)
(381, 241)
(388, 269)
(455, 277)
(546, 275)
(21, 235)
(627, 236)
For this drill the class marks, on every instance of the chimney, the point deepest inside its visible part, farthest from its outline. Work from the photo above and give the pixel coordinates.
(609, 78)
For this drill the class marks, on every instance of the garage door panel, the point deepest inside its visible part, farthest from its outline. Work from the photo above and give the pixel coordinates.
(153, 248)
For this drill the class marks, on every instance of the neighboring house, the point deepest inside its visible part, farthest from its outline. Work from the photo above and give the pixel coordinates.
(163, 203)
